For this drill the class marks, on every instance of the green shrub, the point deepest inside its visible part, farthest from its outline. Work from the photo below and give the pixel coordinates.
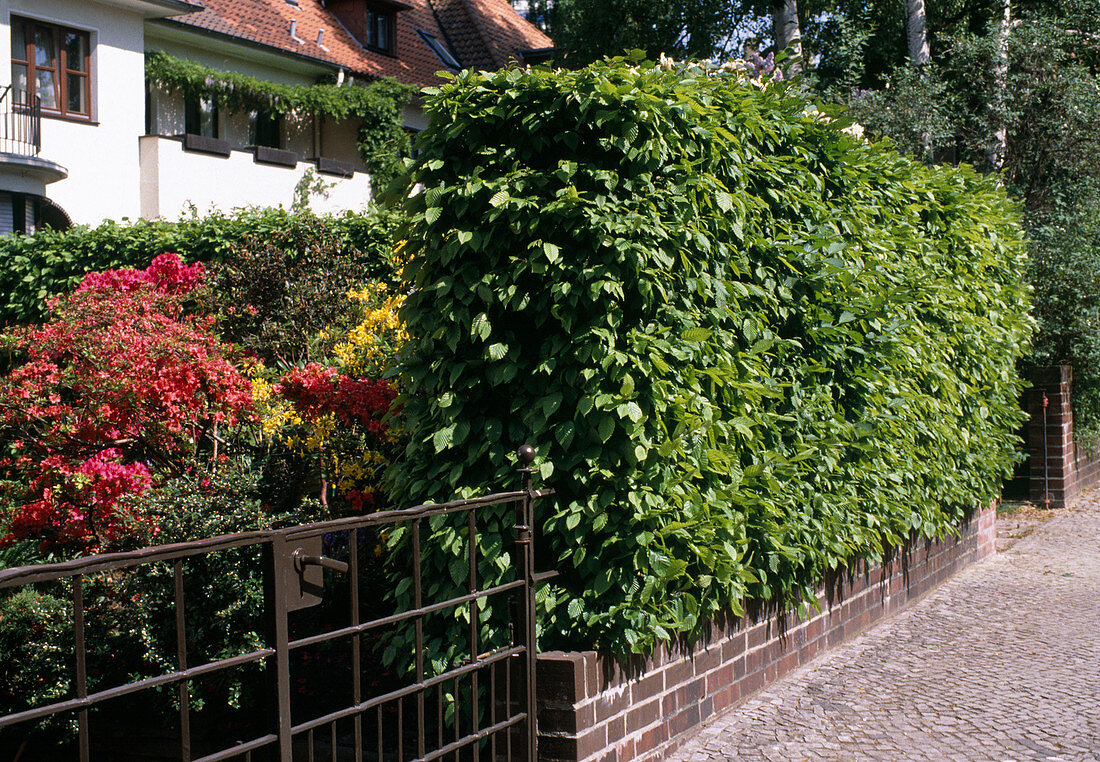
(34, 268)
(747, 346)
(278, 295)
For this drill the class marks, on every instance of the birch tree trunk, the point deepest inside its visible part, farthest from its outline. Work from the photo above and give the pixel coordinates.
(788, 33)
(917, 29)
(1000, 83)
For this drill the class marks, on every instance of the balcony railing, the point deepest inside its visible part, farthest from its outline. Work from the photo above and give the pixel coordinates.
(20, 124)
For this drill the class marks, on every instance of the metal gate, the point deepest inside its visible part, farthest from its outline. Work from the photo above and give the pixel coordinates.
(323, 640)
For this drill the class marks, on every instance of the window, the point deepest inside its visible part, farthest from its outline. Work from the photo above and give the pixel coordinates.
(53, 63)
(380, 29)
(200, 116)
(17, 214)
(439, 49)
(264, 129)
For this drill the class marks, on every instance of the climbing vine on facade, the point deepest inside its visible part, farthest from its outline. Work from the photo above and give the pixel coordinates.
(378, 104)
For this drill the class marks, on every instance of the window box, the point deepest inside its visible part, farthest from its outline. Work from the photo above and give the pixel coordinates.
(277, 156)
(334, 167)
(203, 144)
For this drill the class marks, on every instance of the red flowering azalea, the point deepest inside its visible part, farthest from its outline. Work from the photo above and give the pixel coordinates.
(77, 505)
(317, 390)
(120, 381)
(166, 274)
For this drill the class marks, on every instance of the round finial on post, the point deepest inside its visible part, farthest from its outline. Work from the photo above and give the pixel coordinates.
(526, 454)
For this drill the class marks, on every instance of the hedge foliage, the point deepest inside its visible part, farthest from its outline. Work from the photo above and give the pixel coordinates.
(747, 345)
(34, 268)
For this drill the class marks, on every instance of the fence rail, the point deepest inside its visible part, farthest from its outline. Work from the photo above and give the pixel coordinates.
(320, 603)
(20, 123)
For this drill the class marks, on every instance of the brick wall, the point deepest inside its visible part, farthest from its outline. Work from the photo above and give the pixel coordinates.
(594, 709)
(1069, 470)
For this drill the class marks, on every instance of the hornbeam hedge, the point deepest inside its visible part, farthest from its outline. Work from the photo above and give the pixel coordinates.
(748, 345)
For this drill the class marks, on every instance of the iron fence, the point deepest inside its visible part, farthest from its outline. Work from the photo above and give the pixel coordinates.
(20, 124)
(310, 687)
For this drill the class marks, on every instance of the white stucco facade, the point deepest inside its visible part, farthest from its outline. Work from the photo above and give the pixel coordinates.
(223, 183)
(128, 160)
(101, 155)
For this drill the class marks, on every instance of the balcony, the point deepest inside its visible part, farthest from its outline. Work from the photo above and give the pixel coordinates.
(21, 168)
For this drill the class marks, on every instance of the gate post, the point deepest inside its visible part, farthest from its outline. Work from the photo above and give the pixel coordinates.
(275, 603)
(525, 551)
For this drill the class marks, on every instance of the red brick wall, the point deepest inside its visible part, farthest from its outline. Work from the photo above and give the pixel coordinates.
(1069, 470)
(592, 708)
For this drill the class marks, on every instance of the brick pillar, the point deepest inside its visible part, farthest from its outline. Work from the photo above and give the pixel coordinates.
(986, 519)
(1060, 472)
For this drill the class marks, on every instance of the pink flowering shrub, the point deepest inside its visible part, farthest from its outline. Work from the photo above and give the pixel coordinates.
(120, 384)
(166, 274)
(74, 502)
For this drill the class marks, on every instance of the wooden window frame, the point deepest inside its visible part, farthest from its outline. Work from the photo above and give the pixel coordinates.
(61, 70)
(390, 16)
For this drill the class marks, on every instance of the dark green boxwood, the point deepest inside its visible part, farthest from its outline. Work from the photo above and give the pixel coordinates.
(748, 346)
(34, 268)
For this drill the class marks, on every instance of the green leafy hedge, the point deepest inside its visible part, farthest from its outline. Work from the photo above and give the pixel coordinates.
(747, 346)
(34, 268)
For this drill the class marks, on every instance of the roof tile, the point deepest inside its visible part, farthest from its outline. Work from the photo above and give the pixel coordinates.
(480, 33)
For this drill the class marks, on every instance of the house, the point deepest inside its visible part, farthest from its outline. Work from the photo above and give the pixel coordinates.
(84, 137)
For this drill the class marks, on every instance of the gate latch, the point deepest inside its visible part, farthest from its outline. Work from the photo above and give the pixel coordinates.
(302, 564)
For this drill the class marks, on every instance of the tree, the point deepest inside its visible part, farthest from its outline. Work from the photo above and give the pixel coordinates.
(788, 32)
(590, 29)
(915, 17)
(1014, 90)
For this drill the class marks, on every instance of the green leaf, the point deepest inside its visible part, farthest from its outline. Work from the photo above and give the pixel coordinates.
(442, 439)
(480, 328)
(606, 428)
(695, 334)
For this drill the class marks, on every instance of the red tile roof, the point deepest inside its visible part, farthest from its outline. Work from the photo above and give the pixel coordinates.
(480, 33)
(487, 34)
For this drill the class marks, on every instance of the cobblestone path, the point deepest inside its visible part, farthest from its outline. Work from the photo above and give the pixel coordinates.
(1000, 663)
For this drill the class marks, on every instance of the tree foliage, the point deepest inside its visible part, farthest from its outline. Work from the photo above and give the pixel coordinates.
(1046, 100)
(587, 30)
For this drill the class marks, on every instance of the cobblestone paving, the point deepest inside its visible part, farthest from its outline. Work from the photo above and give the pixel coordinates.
(1002, 662)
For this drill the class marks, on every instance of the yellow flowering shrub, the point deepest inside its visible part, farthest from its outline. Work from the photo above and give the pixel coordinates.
(370, 345)
(345, 455)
